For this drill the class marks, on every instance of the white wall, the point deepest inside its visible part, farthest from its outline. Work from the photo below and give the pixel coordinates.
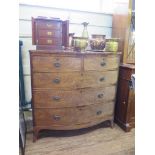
(99, 23)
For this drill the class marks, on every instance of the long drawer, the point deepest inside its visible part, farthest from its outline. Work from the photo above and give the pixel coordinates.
(101, 63)
(67, 116)
(74, 80)
(64, 98)
(55, 64)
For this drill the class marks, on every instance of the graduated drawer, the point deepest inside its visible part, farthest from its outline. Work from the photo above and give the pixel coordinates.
(56, 98)
(49, 34)
(55, 64)
(56, 80)
(78, 115)
(49, 41)
(99, 79)
(52, 25)
(73, 98)
(101, 63)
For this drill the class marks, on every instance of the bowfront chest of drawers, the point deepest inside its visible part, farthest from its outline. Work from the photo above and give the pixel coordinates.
(72, 90)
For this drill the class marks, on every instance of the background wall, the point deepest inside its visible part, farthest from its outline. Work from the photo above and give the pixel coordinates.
(99, 23)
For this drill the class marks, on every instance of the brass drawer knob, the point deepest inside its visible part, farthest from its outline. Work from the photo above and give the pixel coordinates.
(56, 117)
(103, 64)
(49, 41)
(100, 95)
(102, 79)
(57, 64)
(99, 112)
(49, 33)
(56, 98)
(56, 80)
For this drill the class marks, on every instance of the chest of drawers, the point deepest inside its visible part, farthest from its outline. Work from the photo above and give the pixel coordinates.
(72, 90)
(49, 33)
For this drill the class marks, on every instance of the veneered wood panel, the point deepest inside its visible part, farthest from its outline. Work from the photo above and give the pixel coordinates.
(57, 80)
(99, 79)
(74, 116)
(55, 64)
(101, 63)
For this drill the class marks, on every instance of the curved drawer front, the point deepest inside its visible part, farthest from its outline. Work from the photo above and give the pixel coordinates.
(56, 98)
(99, 79)
(55, 64)
(100, 63)
(73, 116)
(56, 80)
(74, 98)
(98, 95)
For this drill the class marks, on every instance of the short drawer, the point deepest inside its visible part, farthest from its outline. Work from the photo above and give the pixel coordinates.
(98, 95)
(52, 25)
(50, 33)
(78, 115)
(99, 79)
(55, 64)
(49, 41)
(56, 80)
(56, 98)
(101, 63)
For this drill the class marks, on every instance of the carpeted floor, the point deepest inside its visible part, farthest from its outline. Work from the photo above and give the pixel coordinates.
(99, 140)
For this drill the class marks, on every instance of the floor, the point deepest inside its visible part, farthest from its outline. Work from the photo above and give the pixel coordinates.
(99, 140)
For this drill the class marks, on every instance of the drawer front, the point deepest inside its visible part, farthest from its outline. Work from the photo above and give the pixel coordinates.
(51, 25)
(49, 34)
(101, 63)
(99, 79)
(49, 41)
(56, 98)
(55, 64)
(98, 95)
(56, 80)
(70, 116)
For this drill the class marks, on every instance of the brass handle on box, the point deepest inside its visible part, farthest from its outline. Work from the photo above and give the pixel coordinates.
(103, 63)
(49, 33)
(57, 64)
(56, 117)
(99, 112)
(102, 79)
(100, 95)
(57, 80)
(56, 98)
(49, 41)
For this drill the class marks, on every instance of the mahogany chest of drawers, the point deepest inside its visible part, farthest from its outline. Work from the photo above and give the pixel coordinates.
(72, 90)
(49, 33)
